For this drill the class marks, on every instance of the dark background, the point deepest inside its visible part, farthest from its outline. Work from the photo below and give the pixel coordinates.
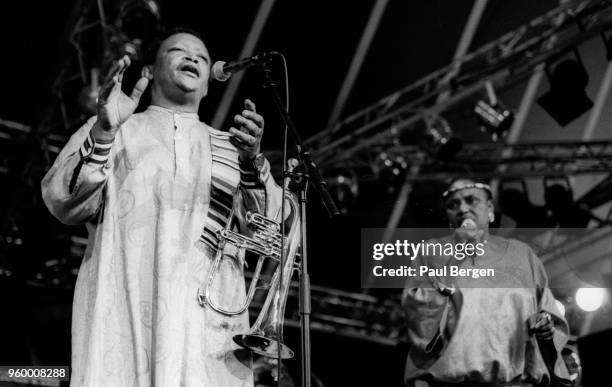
(318, 39)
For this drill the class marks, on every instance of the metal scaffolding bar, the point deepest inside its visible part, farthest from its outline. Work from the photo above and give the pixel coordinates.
(485, 160)
(600, 100)
(360, 54)
(469, 30)
(247, 50)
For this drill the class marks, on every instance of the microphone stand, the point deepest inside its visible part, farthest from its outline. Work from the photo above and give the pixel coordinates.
(302, 179)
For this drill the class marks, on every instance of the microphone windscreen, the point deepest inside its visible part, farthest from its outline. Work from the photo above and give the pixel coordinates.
(468, 224)
(217, 72)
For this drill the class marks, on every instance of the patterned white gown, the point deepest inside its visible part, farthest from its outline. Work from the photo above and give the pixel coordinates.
(145, 199)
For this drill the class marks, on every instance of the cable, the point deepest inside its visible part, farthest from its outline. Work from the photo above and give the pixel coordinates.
(282, 255)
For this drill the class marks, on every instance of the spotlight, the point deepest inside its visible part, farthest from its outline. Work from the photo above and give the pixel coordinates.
(344, 186)
(390, 170)
(567, 99)
(493, 115)
(590, 299)
(439, 139)
(495, 119)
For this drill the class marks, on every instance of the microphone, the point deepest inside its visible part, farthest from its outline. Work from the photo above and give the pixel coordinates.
(222, 71)
(468, 224)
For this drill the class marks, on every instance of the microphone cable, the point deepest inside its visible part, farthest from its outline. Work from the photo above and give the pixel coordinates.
(283, 256)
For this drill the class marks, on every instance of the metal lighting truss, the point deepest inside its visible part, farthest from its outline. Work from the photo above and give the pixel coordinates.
(504, 62)
(484, 160)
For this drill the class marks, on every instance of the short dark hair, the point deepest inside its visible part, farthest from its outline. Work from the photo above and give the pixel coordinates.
(150, 51)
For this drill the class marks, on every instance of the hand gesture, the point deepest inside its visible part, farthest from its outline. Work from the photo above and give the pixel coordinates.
(115, 107)
(248, 137)
(542, 326)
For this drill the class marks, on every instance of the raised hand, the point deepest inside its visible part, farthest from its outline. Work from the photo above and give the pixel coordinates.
(248, 137)
(114, 106)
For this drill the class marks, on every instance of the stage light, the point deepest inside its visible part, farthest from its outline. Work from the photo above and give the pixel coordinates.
(590, 299)
(440, 140)
(344, 187)
(567, 99)
(492, 115)
(495, 119)
(389, 169)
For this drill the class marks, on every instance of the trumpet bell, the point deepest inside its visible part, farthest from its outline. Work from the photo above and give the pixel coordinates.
(263, 345)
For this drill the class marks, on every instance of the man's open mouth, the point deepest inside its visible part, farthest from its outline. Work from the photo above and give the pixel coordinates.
(190, 69)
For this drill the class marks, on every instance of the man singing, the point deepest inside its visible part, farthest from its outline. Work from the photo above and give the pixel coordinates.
(153, 189)
(494, 331)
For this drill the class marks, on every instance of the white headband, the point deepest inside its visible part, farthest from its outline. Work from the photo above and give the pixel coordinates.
(468, 186)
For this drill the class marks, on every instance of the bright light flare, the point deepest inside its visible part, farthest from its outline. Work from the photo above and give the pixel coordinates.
(590, 299)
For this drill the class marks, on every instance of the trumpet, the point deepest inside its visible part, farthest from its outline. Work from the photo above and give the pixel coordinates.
(266, 241)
